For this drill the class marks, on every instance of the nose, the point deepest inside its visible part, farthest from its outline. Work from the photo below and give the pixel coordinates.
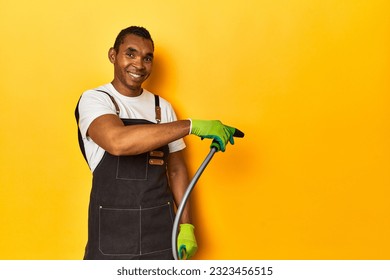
(138, 63)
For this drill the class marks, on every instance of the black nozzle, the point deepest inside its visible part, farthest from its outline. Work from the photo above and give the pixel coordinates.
(238, 133)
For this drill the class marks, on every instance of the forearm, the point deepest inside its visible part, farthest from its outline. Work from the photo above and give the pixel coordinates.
(178, 181)
(186, 214)
(109, 133)
(137, 139)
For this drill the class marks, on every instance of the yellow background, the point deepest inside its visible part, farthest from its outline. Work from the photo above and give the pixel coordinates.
(307, 81)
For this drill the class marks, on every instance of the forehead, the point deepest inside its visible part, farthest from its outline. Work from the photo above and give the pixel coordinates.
(136, 42)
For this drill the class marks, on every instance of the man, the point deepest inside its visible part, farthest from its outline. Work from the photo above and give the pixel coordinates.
(133, 144)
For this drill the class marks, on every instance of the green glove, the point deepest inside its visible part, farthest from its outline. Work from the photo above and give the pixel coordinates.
(186, 241)
(216, 130)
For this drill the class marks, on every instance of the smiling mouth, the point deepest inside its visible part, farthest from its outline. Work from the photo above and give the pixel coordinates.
(137, 76)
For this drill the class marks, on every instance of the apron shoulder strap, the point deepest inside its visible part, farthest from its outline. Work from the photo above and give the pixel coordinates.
(157, 108)
(156, 104)
(77, 116)
(80, 138)
(113, 101)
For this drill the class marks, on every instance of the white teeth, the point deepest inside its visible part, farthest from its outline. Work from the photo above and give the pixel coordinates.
(134, 75)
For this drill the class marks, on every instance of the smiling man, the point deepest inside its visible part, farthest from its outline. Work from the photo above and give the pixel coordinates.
(133, 144)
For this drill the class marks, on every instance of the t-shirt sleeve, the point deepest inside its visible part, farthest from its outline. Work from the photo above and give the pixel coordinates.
(178, 144)
(93, 104)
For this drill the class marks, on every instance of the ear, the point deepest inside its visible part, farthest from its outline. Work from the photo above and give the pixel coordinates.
(111, 55)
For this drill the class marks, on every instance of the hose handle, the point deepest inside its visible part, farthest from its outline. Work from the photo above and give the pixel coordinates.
(237, 133)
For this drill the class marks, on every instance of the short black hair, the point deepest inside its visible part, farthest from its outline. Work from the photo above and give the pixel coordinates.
(136, 30)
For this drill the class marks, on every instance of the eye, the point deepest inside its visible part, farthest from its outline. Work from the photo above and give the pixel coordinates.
(130, 55)
(148, 59)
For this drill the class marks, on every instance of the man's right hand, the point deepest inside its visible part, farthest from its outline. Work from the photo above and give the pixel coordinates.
(216, 130)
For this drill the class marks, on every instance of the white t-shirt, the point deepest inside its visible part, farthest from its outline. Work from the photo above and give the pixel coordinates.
(95, 103)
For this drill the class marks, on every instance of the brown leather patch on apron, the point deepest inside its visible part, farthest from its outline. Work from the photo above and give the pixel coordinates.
(155, 161)
(156, 153)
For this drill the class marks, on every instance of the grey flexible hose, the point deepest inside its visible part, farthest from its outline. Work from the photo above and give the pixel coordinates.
(185, 199)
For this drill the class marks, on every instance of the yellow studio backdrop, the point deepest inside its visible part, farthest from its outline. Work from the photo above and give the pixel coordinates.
(307, 81)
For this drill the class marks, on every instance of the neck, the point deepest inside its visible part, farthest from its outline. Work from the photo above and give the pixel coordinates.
(127, 91)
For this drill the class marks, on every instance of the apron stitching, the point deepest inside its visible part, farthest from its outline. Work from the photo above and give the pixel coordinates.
(134, 209)
(127, 254)
(140, 230)
(170, 211)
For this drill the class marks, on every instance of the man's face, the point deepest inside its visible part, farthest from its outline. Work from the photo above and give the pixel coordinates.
(132, 64)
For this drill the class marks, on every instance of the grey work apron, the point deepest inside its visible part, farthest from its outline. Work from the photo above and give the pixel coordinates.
(131, 206)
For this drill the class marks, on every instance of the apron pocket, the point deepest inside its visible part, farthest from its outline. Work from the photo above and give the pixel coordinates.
(119, 232)
(156, 228)
(133, 167)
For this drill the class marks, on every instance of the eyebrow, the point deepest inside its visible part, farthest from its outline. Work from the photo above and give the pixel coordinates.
(136, 51)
